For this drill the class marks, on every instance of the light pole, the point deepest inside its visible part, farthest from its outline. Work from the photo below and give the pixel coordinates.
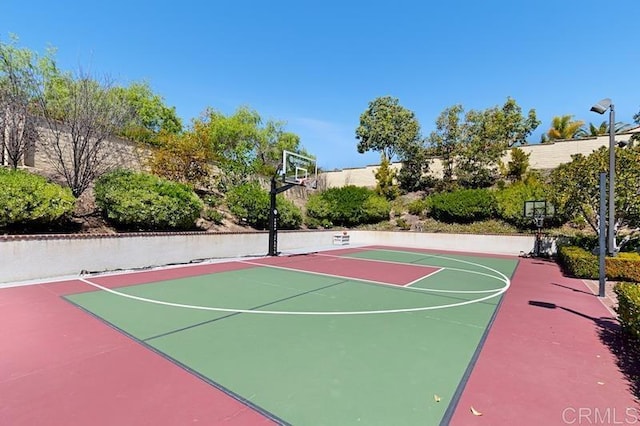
(601, 107)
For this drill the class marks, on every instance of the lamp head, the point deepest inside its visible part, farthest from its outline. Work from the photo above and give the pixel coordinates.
(602, 106)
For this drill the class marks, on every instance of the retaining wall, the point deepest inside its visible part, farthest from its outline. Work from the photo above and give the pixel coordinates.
(28, 258)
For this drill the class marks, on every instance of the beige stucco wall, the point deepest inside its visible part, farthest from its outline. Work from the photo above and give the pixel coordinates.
(117, 153)
(542, 156)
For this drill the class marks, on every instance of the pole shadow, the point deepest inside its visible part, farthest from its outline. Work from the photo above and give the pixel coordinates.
(573, 289)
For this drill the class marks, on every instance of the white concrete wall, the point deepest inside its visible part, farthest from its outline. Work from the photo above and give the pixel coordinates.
(493, 244)
(36, 258)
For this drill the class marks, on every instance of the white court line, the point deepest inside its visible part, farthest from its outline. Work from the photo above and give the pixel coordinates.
(498, 292)
(429, 290)
(323, 274)
(427, 276)
(435, 290)
(318, 313)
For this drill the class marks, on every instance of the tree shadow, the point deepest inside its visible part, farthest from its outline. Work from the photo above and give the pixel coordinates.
(627, 352)
(620, 344)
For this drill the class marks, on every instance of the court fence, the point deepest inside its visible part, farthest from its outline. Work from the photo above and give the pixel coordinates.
(39, 257)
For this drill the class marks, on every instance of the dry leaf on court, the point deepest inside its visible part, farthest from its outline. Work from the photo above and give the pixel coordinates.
(436, 398)
(600, 383)
(475, 412)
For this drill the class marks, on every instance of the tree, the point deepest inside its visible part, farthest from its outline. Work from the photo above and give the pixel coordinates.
(242, 145)
(18, 129)
(636, 136)
(386, 180)
(517, 167)
(564, 127)
(79, 126)
(603, 129)
(415, 167)
(182, 158)
(471, 145)
(151, 118)
(506, 126)
(446, 140)
(487, 135)
(575, 186)
(388, 128)
(272, 141)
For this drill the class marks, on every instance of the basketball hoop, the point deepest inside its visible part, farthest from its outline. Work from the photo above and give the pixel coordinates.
(537, 211)
(538, 220)
(308, 183)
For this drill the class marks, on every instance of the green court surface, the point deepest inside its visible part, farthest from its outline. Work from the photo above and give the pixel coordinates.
(321, 349)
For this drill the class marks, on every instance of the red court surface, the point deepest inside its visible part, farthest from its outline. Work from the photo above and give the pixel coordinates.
(59, 366)
(362, 269)
(547, 360)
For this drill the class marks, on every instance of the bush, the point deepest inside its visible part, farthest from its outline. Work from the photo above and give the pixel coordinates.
(462, 206)
(583, 264)
(133, 200)
(418, 207)
(624, 267)
(403, 224)
(511, 199)
(348, 206)
(587, 242)
(314, 223)
(213, 215)
(628, 308)
(250, 202)
(27, 199)
(578, 262)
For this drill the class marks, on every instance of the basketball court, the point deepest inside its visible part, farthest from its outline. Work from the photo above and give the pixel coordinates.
(374, 335)
(370, 335)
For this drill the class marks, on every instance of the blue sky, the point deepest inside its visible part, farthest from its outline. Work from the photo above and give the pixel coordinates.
(317, 65)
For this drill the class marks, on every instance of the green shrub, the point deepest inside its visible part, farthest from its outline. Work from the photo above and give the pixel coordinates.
(27, 199)
(511, 199)
(628, 308)
(250, 202)
(583, 264)
(587, 242)
(213, 215)
(462, 206)
(348, 206)
(211, 200)
(289, 215)
(624, 267)
(314, 223)
(133, 200)
(578, 262)
(386, 180)
(375, 209)
(403, 224)
(418, 207)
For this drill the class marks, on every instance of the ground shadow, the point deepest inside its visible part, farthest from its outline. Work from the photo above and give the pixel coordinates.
(573, 289)
(627, 352)
(625, 348)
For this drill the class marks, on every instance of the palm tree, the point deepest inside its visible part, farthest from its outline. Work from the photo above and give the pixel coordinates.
(563, 127)
(603, 128)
